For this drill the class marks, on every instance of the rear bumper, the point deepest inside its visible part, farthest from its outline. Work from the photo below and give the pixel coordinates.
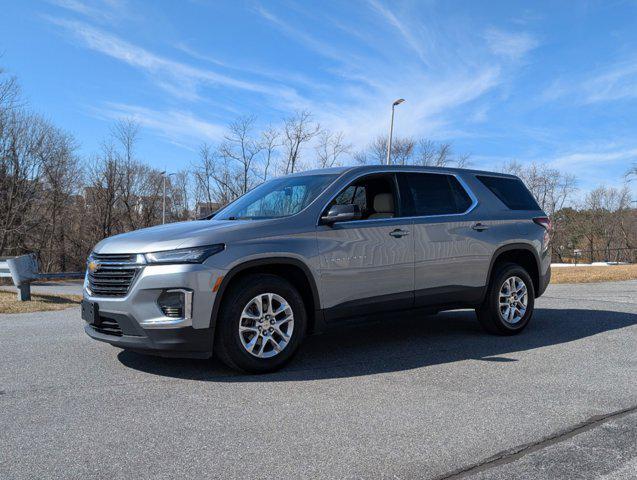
(184, 342)
(545, 279)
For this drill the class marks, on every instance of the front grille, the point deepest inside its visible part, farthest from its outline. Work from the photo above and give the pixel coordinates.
(108, 326)
(113, 275)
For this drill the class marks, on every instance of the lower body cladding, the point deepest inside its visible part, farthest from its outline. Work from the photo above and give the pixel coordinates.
(167, 312)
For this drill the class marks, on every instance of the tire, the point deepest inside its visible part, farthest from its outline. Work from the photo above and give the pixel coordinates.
(492, 317)
(240, 307)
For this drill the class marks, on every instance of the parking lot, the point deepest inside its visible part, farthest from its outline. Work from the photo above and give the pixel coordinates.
(406, 397)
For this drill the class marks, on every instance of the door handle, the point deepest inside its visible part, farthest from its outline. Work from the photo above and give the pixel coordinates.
(480, 227)
(398, 233)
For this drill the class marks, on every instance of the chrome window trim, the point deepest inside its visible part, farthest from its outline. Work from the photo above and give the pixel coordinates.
(463, 184)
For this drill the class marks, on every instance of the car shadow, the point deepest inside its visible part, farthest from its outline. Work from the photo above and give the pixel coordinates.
(398, 343)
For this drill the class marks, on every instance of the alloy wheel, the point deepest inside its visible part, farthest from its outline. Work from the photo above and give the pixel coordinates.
(266, 325)
(513, 300)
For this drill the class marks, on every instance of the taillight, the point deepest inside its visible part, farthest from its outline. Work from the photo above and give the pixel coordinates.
(543, 222)
(546, 223)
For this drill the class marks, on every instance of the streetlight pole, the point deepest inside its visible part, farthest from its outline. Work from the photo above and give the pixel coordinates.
(391, 128)
(163, 205)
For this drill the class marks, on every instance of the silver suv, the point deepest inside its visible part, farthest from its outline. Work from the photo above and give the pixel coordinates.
(301, 252)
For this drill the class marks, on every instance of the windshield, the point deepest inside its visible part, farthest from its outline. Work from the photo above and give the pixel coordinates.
(276, 198)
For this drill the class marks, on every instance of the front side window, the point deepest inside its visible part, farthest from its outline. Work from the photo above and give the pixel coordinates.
(374, 194)
(352, 195)
(276, 198)
(432, 194)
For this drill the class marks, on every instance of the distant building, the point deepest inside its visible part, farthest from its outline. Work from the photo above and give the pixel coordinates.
(203, 209)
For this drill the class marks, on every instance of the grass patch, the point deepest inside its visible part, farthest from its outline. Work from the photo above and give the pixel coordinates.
(612, 273)
(39, 303)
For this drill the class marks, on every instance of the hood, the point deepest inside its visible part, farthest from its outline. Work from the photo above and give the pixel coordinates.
(168, 237)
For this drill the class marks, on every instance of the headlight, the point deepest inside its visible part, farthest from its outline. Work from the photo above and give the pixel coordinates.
(184, 255)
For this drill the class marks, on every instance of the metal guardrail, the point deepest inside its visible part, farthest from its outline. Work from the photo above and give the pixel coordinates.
(23, 270)
(575, 255)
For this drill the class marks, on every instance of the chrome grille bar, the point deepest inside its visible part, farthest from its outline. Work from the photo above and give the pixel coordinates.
(111, 275)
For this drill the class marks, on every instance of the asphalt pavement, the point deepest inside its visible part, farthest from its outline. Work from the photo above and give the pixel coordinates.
(407, 397)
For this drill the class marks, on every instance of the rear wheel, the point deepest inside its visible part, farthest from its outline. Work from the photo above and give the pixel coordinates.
(261, 323)
(510, 300)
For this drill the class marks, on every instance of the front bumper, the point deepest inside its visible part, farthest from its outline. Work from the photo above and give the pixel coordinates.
(144, 328)
(177, 342)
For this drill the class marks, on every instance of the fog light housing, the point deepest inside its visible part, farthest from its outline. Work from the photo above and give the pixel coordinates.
(176, 303)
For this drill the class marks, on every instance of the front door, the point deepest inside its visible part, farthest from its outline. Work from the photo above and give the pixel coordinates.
(367, 265)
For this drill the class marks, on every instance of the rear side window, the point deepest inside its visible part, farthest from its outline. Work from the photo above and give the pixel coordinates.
(432, 194)
(511, 191)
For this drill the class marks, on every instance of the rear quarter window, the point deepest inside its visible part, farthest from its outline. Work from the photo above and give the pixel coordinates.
(511, 191)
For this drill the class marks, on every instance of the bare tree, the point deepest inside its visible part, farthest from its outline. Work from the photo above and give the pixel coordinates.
(550, 187)
(375, 153)
(270, 143)
(297, 131)
(181, 187)
(133, 176)
(240, 146)
(126, 133)
(463, 161)
(408, 151)
(102, 193)
(402, 150)
(58, 180)
(22, 146)
(214, 179)
(330, 148)
(434, 154)
(9, 92)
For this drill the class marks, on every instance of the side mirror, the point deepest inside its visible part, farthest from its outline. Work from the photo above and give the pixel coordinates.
(341, 213)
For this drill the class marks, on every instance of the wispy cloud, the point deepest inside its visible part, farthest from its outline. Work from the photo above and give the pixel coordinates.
(597, 165)
(97, 10)
(277, 74)
(512, 45)
(322, 48)
(617, 82)
(435, 84)
(179, 78)
(614, 82)
(599, 158)
(178, 126)
(411, 39)
(365, 77)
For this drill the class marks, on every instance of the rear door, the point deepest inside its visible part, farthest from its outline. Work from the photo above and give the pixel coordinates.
(451, 251)
(367, 265)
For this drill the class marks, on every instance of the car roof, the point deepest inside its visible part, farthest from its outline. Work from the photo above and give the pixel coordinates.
(377, 168)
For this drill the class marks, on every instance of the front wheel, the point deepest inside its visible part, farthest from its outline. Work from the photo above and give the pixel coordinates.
(510, 300)
(261, 324)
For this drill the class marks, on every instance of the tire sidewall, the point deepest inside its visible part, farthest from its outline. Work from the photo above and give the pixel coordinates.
(494, 300)
(231, 316)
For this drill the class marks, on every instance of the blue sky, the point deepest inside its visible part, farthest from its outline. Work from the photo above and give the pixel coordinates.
(554, 82)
